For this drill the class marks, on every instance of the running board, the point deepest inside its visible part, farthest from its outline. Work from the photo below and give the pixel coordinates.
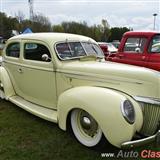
(42, 112)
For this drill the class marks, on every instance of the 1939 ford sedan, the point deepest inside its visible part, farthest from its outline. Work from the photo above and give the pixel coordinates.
(62, 77)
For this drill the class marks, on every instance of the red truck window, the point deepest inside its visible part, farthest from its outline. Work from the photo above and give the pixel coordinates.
(135, 45)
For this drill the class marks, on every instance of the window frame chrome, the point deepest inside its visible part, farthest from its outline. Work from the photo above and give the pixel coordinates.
(70, 41)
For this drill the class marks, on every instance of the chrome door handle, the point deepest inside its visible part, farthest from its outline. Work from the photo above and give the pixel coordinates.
(20, 70)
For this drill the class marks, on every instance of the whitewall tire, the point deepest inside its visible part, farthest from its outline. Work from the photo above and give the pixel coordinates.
(85, 128)
(2, 96)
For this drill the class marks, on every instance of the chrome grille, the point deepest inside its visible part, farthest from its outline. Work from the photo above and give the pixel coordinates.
(151, 118)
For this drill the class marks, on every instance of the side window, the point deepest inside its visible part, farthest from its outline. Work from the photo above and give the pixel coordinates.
(155, 44)
(13, 50)
(34, 51)
(135, 45)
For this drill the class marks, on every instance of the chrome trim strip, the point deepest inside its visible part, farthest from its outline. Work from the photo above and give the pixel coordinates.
(149, 100)
(140, 142)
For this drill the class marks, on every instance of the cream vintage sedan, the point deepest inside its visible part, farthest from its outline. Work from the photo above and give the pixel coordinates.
(63, 78)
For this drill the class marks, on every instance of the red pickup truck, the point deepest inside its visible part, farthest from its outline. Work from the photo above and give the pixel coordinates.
(139, 48)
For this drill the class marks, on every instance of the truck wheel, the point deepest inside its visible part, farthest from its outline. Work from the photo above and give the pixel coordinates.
(85, 128)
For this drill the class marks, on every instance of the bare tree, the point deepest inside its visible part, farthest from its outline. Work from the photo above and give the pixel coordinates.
(20, 16)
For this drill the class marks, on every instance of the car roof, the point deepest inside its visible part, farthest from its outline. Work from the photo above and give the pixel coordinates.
(141, 33)
(52, 37)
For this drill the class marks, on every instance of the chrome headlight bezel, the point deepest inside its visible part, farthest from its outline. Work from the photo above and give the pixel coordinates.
(128, 111)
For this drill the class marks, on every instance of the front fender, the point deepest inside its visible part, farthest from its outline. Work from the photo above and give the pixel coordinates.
(104, 105)
(7, 85)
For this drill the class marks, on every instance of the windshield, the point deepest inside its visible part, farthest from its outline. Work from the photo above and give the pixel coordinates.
(72, 50)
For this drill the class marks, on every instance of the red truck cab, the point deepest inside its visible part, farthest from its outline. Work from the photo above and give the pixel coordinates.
(139, 48)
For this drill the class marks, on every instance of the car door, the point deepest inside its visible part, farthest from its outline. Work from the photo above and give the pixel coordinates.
(34, 79)
(134, 52)
(154, 53)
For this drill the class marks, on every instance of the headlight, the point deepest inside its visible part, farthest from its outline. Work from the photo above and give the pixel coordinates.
(128, 111)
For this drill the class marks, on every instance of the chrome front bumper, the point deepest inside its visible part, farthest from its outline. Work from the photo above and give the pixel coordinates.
(140, 142)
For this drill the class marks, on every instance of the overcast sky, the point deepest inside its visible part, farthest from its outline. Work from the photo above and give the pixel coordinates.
(137, 14)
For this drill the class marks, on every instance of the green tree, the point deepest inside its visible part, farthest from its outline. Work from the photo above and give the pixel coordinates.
(117, 33)
(81, 28)
(58, 28)
(41, 23)
(7, 24)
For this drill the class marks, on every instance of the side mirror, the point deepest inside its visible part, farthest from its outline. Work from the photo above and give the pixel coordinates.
(45, 57)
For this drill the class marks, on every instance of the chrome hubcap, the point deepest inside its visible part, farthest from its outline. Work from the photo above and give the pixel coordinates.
(87, 123)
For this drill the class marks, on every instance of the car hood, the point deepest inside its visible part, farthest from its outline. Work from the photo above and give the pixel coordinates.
(136, 81)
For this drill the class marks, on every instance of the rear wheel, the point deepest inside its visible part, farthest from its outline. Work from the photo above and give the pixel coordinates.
(85, 128)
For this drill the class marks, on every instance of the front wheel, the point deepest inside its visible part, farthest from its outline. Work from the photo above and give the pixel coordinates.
(85, 128)
(2, 96)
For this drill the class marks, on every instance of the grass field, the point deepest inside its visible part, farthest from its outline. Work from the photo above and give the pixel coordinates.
(27, 137)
